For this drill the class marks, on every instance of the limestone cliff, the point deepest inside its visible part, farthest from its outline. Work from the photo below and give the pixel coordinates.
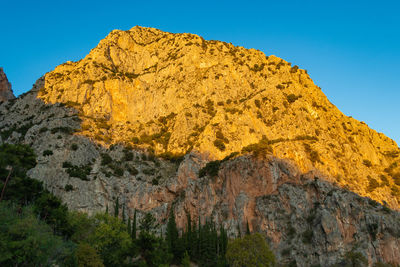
(114, 124)
(178, 93)
(5, 87)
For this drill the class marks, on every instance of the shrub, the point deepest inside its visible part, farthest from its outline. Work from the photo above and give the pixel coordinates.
(294, 69)
(218, 143)
(47, 153)
(68, 187)
(210, 169)
(251, 250)
(132, 170)
(307, 236)
(105, 159)
(128, 155)
(67, 164)
(396, 178)
(262, 146)
(367, 163)
(43, 129)
(257, 103)
(373, 184)
(292, 98)
(74, 147)
(80, 172)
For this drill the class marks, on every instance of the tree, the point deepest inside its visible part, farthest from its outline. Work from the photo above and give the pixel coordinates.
(111, 239)
(148, 223)
(133, 234)
(87, 256)
(355, 259)
(116, 209)
(172, 236)
(27, 241)
(247, 228)
(251, 250)
(186, 260)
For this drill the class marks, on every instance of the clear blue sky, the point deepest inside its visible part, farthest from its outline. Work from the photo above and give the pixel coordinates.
(351, 49)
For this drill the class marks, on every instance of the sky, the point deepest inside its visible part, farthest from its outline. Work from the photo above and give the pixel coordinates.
(351, 49)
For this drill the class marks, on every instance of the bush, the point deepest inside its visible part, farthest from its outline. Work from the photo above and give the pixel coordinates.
(68, 187)
(373, 184)
(251, 250)
(80, 172)
(218, 143)
(132, 170)
(307, 236)
(74, 147)
(292, 98)
(261, 147)
(47, 153)
(105, 159)
(210, 169)
(367, 163)
(257, 103)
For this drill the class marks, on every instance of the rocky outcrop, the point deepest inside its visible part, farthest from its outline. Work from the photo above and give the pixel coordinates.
(306, 219)
(5, 87)
(176, 93)
(114, 124)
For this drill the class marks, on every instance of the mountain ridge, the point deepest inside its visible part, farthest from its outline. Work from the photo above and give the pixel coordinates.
(108, 129)
(138, 87)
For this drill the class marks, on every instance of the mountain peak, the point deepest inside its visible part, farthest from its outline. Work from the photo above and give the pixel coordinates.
(175, 93)
(6, 92)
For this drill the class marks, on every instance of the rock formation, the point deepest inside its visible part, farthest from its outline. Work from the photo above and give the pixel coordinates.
(5, 87)
(160, 120)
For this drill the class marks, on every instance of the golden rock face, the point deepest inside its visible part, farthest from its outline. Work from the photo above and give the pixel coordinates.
(177, 92)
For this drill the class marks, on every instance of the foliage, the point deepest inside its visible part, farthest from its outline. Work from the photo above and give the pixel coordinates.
(27, 241)
(251, 250)
(47, 153)
(87, 256)
(111, 239)
(218, 143)
(210, 169)
(355, 259)
(264, 145)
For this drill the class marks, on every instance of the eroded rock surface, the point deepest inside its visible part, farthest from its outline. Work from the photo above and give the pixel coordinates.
(5, 87)
(176, 93)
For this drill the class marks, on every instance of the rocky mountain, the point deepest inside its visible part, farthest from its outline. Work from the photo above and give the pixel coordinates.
(6, 92)
(161, 120)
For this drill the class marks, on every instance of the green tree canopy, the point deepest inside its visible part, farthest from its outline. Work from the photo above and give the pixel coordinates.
(111, 239)
(250, 250)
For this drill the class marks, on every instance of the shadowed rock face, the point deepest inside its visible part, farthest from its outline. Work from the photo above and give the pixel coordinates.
(304, 217)
(289, 195)
(178, 93)
(5, 87)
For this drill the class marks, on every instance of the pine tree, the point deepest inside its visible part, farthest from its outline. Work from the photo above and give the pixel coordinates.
(123, 212)
(239, 232)
(129, 226)
(172, 235)
(189, 235)
(247, 228)
(116, 209)
(133, 233)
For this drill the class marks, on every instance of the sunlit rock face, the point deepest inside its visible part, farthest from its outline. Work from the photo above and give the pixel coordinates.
(5, 87)
(179, 93)
(103, 127)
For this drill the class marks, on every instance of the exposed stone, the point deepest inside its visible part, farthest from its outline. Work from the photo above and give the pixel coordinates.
(179, 93)
(305, 216)
(6, 92)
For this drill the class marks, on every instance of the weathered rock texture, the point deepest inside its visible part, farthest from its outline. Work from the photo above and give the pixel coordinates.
(6, 92)
(147, 91)
(179, 93)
